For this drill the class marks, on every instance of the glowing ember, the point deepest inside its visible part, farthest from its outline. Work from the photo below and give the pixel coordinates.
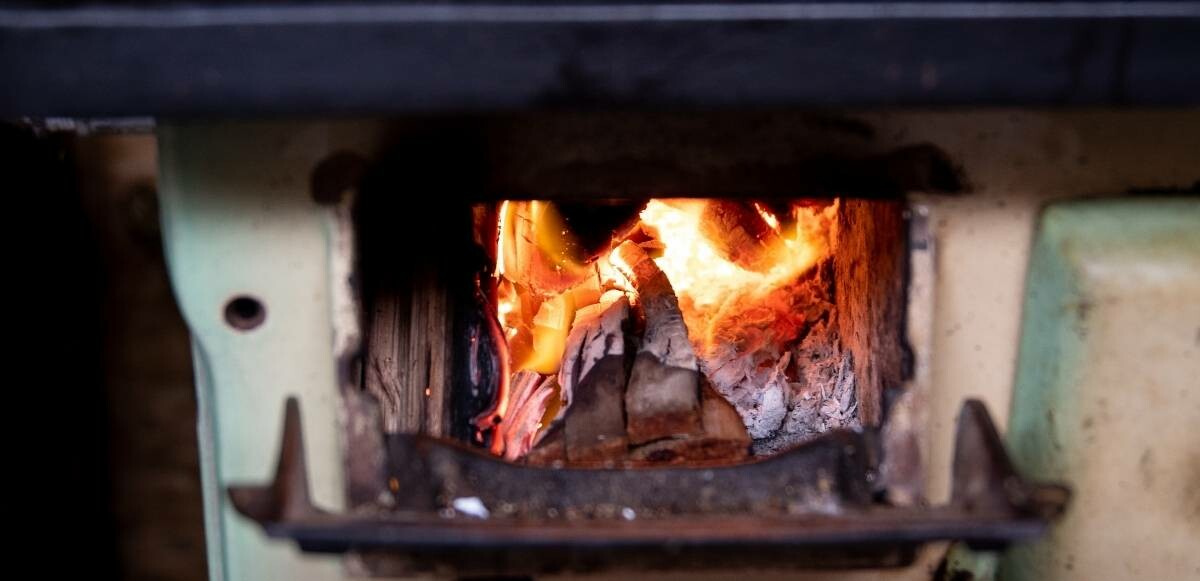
(767, 216)
(538, 266)
(706, 281)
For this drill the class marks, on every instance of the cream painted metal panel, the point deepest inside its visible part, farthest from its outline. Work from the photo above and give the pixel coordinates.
(238, 219)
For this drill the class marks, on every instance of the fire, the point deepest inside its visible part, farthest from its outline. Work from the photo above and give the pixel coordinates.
(767, 216)
(543, 281)
(537, 264)
(706, 281)
(503, 224)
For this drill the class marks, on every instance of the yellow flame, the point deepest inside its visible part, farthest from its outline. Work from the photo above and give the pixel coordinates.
(767, 216)
(551, 325)
(533, 237)
(500, 247)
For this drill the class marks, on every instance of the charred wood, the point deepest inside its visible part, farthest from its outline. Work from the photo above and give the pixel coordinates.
(740, 234)
(592, 378)
(662, 397)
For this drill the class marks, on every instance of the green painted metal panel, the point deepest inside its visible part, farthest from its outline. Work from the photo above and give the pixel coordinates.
(1107, 393)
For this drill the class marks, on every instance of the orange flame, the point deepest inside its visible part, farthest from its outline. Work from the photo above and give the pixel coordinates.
(705, 281)
(537, 268)
(767, 216)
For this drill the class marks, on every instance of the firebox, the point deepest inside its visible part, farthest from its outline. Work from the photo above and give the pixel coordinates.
(664, 331)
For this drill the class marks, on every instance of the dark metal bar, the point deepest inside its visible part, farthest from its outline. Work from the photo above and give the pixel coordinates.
(237, 59)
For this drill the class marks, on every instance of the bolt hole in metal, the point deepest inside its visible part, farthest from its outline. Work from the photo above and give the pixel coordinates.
(245, 313)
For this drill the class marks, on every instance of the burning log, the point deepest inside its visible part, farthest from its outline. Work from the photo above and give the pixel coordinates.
(724, 440)
(741, 234)
(592, 431)
(594, 426)
(722, 422)
(599, 331)
(662, 397)
(535, 249)
(551, 450)
(592, 379)
(529, 393)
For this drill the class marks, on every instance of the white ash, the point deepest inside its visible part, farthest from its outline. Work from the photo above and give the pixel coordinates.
(816, 407)
(780, 413)
(755, 382)
(768, 404)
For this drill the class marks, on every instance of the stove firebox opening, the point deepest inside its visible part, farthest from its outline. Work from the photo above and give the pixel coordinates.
(686, 331)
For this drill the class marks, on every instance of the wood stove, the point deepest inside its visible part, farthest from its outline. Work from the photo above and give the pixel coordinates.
(418, 285)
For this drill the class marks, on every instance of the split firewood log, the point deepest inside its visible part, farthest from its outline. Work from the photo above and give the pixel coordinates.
(599, 331)
(594, 426)
(591, 383)
(737, 231)
(662, 397)
(528, 395)
(722, 422)
(724, 440)
(592, 379)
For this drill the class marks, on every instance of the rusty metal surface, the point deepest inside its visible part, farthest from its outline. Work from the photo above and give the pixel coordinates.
(824, 476)
(808, 507)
